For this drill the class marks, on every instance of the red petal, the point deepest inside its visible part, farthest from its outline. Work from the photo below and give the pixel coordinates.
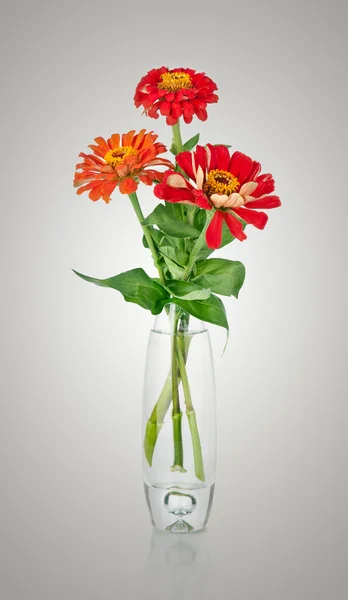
(266, 202)
(235, 226)
(214, 232)
(171, 194)
(153, 112)
(201, 200)
(255, 170)
(258, 219)
(176, 110)
(165, 108)
(179, 96)
(184, 160)
(201, 114)
(188, 110)
(213, 160)
(222, 157)
(200, 158)
(265, 185)
(170, 120)
(241, 166)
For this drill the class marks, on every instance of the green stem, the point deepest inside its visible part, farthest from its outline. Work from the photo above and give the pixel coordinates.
(191, 416)
(198, 246)
(155, 421)
(176, 414)
(147, 233)
(177, 141)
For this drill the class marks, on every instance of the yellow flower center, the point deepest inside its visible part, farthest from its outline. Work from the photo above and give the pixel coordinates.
(178, 80)
(221, 182)
(116, 156)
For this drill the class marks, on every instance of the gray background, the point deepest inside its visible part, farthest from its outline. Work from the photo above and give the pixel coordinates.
(73, 518)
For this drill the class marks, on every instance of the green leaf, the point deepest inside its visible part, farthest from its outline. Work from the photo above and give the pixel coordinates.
(210, 310)
(165, 220)
(199, 219)
(222, 276)
(187, 290)
(226, 145)
(175, 254)
(175, 209)
(174, 269)
(192, 142)
(135, 286)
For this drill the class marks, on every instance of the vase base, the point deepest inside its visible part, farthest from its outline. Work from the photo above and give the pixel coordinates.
(191, 505)
(179, 526)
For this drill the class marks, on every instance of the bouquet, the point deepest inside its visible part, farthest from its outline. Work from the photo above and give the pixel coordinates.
(208, 196)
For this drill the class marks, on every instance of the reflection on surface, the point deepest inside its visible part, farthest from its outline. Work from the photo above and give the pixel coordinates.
(179, 566)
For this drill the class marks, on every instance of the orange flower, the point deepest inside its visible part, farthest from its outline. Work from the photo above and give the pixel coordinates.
(120, 162)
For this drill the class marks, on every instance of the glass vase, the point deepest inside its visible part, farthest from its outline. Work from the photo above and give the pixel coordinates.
(179, 423)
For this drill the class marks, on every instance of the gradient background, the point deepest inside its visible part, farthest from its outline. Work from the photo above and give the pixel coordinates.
(74, 523)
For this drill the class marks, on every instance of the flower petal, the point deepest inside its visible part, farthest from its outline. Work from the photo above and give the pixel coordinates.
(200, 177)
(248, 188)
(265, 202)
(265, 185)
(213, 235)
(184, 160)
(176, 180)
(171, 194)
(218, 200)
(114, 141)
(223, 157)
(201, 200)
(253, 217)
(200, 157)
(108, 188)
(235, 226)
(234, 200)
(241, 166)
(256, 168)
(165, 108)
(128, 185)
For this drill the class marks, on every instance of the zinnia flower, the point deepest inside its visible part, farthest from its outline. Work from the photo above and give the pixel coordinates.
(175, 93)
(121, 163)
(230, 184)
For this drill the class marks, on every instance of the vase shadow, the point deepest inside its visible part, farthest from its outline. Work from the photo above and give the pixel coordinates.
(179, 566)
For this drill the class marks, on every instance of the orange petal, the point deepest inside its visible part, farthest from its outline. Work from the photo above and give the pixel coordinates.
(128, 186)
(127, 138)
(114, 141)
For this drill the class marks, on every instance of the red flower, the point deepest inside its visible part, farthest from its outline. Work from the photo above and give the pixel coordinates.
(226, 183)
(120, 163)
(175, 93)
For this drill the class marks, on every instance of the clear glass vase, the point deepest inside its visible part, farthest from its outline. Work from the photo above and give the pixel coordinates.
(179, 423)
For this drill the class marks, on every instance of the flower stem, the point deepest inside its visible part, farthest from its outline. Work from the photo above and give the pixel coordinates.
(147, 233)
(198, 246)
(176, 414)
(155, 421)
(177, 141)
(191, 417)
